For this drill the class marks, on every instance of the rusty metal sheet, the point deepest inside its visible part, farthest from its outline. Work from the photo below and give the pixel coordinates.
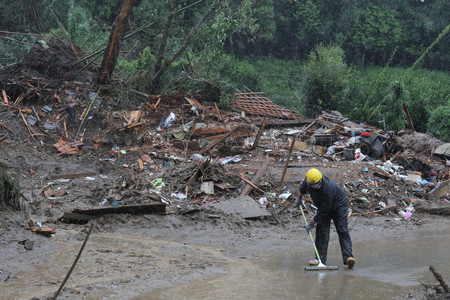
(254, 103)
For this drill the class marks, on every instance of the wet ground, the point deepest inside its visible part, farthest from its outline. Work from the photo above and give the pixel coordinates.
(218, 264)
(197, 252)
(385, 270)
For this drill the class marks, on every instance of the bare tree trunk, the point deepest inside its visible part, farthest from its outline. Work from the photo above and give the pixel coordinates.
(115, 40)
(180, 51)
(162, 46)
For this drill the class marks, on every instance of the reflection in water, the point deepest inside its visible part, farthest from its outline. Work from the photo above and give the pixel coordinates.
(384, 270)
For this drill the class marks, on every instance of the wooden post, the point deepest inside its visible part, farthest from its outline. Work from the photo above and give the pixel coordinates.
(258, 135)
(287, 160)
(408, 117)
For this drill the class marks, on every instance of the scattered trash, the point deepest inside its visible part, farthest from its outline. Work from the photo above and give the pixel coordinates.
(158, 183)
(178, 195)
(49, 126)
(228, 159)
(358, 155)
(285, 195)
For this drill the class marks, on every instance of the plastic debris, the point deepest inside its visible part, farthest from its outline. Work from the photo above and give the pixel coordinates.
(158, 183)
(178, 195)
(49, 126)
(228, 159)
(285, 195)
(358, 155)
(166, 122)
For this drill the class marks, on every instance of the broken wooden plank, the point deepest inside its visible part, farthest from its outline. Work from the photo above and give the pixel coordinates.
(155, 208)
(408, 117)
(287, 160)
(182, 144)
(219, 115)
(233, 135)
(252, 184)
(194, 103)
(382, 174)
(70, 217)
(209, 131)
(45, 231)
(258, 135)
(214, 143)
(258, 174)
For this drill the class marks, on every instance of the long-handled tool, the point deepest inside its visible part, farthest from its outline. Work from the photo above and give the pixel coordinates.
(320, 266)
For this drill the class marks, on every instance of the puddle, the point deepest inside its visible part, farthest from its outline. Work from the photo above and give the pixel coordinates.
(384, 270)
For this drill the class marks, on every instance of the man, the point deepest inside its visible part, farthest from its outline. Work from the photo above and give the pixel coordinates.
(332, 204)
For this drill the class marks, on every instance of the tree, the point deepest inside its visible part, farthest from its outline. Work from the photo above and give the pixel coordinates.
(375, 37)
(115, 40)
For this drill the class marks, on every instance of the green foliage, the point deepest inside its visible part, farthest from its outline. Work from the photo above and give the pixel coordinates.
(377, 34)
(280, 82)
(427, 90)
(130, 68)
(223, 75)
(313, 24)
(82, 30)
(392, 107)
(439, 122)
(325, 79)
(11, 51)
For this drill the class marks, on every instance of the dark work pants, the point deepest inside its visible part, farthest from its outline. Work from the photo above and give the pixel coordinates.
(323, 234)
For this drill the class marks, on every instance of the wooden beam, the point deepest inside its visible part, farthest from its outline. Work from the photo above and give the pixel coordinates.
(408, 117)
(258, 135)
(252, 184)
(287, 160)
(215, 142)
(258, 174)
(125, 209)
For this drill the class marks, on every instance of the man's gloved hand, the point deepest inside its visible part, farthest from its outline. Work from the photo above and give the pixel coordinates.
(298, 201)
(310, 226)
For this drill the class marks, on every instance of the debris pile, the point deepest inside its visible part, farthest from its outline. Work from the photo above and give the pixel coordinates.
(175, 150)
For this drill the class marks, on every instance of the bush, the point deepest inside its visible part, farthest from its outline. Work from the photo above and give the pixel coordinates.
(326, 79)
(439, 122)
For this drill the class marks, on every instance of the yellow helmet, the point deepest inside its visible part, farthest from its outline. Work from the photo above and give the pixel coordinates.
(313, 176)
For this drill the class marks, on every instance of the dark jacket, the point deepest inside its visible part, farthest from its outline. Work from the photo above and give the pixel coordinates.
(330, 199)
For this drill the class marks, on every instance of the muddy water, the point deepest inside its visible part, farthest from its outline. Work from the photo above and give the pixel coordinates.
(118, 266)
(384, 270)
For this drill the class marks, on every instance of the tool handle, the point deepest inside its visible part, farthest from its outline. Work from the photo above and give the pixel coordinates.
(310, 235)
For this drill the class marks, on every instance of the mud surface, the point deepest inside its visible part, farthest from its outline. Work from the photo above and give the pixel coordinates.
(131, 256)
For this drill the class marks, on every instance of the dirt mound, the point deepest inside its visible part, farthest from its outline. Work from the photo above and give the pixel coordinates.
(46, 67)
(419, 142)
